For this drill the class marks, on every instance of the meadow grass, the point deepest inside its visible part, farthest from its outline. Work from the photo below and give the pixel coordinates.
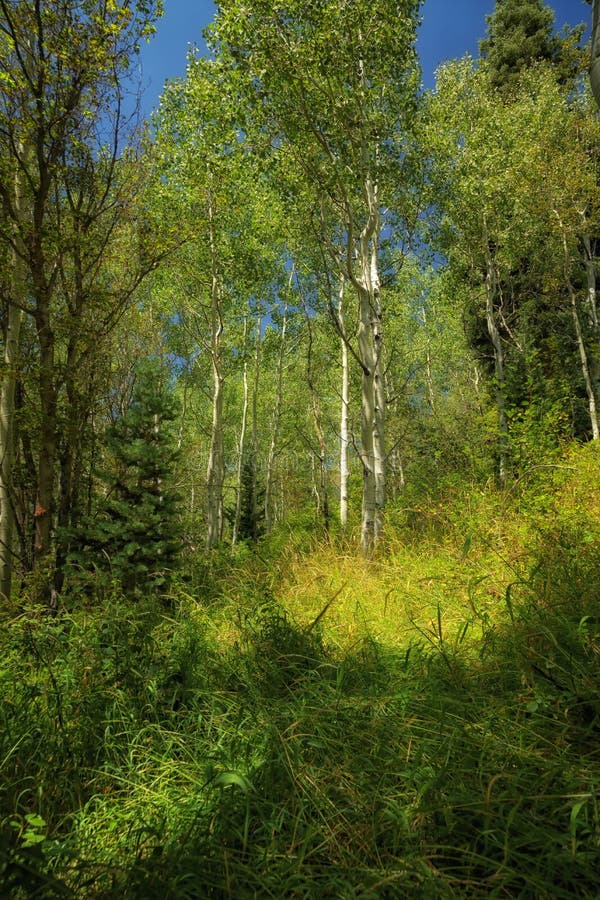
(306, 723)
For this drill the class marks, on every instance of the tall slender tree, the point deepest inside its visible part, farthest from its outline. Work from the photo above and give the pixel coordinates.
(337, 82)
(65, 65)
(232, 251)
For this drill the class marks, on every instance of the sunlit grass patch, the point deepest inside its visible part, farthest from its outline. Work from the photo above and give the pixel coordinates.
(422, 724)
(410, 591)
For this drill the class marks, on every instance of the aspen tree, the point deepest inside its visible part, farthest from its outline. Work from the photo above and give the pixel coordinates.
(337, 83)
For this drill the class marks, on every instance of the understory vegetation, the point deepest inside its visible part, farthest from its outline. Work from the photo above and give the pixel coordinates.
(299, 721)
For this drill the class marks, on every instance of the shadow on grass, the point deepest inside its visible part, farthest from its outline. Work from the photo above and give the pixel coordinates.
(280, 768)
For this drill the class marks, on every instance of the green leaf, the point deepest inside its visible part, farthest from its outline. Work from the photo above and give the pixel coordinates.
(35, 820)
(226, 779)
(467, 545)
(31, 838)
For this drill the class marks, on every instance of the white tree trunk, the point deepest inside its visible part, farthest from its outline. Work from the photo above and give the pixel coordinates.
(380, 398)
(428, 368)
(215, 474)
(256, 384)
(585, 367)
(496, 339)
(344, 419)
(254, 498)
(320, 452)
(590, 268)
(269, 480)
(592, 297)
(583, 353)
(367, 424)
(241, 444)
(370, 343)
(395, 465)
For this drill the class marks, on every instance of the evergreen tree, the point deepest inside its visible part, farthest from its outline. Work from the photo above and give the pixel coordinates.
(252, 514)
(520, 34)
(135, 533)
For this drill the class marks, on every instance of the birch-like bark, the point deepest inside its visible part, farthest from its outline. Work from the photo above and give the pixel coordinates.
(370, 341)
(370, 344)
(496, 339)
(345, 414)
(583, 353)
(395, 466)
(379, 389)
(7, 402)
(215, 475)
(592, 298)
(269, 480)
(315, 484)
(241, 444)
(590, 268)
(585, 366)
(255, 513)
(320, 489)
(428, 369)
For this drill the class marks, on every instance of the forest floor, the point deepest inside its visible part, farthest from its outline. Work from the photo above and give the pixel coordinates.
(304, 723)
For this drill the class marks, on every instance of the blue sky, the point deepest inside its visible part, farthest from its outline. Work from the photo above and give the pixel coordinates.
(450, 28)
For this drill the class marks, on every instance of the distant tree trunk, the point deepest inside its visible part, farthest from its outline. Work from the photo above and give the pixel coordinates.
(320, 488)
(216, 463)
(241, 444)
(71, 444)
(72, 463)
(592, 297)
(25, 506)
(428, 370)
(7, 402)
(586, 368)
(590, 268)
(67, 490)
(252, 463)
(476, 385)
(496, 339)
(395, 463)
(44, 512)
(269, 480)
(345, 413)
(249, 512)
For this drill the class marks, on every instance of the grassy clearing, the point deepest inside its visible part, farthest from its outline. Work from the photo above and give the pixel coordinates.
(432, 732)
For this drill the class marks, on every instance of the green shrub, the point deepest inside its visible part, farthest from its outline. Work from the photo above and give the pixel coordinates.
(134, 537)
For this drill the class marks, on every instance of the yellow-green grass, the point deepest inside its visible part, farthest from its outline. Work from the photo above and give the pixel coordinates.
(453, 561)
(273, 735)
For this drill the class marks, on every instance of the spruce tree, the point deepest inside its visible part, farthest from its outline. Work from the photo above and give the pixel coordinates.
(520, 34)
(134, 535)
(252, 515)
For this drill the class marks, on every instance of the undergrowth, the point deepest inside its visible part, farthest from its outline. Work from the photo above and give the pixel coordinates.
(422, 725)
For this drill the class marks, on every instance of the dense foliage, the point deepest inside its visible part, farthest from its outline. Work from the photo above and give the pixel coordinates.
(299, 430)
